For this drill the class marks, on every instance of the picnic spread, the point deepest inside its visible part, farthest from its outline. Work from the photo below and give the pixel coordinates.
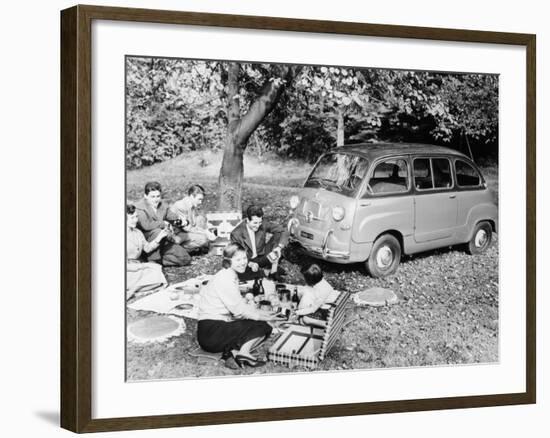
(294, 344)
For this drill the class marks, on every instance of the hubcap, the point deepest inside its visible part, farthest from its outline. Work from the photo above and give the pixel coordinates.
(384, 257)
(481, 238)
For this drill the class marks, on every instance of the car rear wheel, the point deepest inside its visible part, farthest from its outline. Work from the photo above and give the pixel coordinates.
(481, 238)
(384, 257)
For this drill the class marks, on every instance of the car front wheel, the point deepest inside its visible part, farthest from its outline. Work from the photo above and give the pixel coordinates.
(481, 238)
(384, 257)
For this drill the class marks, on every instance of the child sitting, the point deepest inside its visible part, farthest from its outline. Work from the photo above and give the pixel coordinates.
(311, 309)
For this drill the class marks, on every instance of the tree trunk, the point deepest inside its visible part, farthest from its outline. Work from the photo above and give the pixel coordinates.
(231, 173)
(231, 176)
(239, 130)
(340, 130)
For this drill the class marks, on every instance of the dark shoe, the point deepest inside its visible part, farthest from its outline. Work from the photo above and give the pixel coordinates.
(248, 361)
(232, 364)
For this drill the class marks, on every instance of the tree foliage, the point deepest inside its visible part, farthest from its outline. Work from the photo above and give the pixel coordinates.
(175, 105)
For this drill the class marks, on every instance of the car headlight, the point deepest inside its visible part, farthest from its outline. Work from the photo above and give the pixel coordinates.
(338, 213)
(294, 201)
(292, 224)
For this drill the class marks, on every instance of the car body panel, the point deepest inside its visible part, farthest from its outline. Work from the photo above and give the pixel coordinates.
(421, 219)
(434, 216)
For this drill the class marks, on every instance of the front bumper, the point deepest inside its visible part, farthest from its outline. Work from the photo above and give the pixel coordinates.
(320, 250)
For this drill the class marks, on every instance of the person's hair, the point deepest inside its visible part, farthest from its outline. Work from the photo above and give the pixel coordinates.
(195, 189)
(254, 210)
(229, 251)
(130, 208)
(152, 186)
(312, 274)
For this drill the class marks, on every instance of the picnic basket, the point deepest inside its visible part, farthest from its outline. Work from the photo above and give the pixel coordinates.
(301, 345)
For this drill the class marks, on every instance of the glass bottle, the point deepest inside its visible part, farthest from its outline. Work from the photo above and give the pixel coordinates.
(295, 300)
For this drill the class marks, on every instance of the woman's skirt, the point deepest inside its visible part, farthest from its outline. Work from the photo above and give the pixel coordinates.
(142, 277)
(221, 336)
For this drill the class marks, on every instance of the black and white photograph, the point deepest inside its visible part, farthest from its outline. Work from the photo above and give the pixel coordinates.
(285, 218)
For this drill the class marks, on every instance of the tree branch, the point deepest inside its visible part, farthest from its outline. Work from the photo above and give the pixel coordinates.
(263, 105)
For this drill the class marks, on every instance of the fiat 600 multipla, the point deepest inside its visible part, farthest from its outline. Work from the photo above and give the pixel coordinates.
(371, 203)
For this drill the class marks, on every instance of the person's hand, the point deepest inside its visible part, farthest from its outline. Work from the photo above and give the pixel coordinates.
(185, 226)
(254, 266)
(277, 251)
(271, 316)
(211, 236)
(294, 317)
(163, 233)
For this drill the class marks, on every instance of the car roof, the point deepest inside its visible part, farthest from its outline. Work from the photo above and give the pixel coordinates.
(372, 151)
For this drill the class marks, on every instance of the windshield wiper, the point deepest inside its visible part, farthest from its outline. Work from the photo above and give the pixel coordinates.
(325, 182)
(320, 181)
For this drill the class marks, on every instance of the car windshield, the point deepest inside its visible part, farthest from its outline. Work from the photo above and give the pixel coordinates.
(342, 173)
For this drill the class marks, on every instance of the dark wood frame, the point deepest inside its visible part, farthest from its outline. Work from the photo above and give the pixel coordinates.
(76, 225)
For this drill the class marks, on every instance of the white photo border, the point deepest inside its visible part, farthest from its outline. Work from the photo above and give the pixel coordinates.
(112, 397)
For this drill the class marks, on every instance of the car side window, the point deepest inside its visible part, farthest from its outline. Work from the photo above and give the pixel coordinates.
(422, 174)
(442, 173)
(466, 175)
(390, 176)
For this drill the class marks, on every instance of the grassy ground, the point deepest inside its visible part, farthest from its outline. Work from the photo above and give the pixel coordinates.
(447, 314)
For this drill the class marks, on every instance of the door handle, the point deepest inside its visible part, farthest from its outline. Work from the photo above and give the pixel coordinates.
(365, 204)
(452, 196)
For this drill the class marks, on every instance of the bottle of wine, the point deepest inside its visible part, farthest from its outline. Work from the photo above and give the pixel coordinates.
(256, 288)
(295, 300)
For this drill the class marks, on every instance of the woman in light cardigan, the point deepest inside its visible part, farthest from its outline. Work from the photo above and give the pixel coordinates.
(227, 324)
(140, 276)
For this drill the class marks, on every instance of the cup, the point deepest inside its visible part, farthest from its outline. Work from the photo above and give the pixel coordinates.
(284, 295)
(265, 305)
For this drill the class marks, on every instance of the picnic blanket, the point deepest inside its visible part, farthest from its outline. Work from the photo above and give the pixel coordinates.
(179, 299)
(156, 328)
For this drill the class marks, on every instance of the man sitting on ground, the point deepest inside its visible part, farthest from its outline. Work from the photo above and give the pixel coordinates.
(153, 217)
(262, 254)
(195, 235)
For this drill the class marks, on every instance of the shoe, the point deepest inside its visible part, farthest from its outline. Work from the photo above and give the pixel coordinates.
(232, 364)
(248, 361)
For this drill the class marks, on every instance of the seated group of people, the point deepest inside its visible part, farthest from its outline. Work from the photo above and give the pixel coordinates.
(168, 235)
(159, 234)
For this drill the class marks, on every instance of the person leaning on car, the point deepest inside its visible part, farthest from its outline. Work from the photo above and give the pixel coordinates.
(251, 233)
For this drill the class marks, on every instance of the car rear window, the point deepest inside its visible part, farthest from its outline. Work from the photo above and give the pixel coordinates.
(442, 173)
(466, 175)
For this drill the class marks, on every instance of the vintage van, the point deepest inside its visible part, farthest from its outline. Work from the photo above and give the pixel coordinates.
(371, 203)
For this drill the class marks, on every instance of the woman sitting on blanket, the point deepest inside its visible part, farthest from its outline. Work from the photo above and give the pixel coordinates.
(140, 276)
(311, 308)
(227, 324)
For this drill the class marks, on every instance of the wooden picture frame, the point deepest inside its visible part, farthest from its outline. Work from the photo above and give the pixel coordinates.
(76, 217)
